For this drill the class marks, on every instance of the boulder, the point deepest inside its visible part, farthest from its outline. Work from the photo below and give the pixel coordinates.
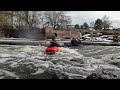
(105, 74)
(51, 74)
(75, 42)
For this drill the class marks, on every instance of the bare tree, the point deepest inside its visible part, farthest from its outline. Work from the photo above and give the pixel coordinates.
(4, 19)
(92, 24)
(32, 19)
(106, 22)
(57, 18)
(28, 19)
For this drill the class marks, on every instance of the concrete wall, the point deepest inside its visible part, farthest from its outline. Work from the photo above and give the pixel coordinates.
(2, 34)
(23, 34)
(30, 34)
(63, 33)
(45, 33)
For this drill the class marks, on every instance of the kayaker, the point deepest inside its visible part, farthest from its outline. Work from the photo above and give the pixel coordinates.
(54, 47)
(53, 42)
(54, 37)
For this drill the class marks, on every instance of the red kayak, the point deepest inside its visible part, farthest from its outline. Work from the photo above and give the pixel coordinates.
(52, 50)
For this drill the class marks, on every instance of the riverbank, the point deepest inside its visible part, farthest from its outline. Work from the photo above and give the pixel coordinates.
(21, 41)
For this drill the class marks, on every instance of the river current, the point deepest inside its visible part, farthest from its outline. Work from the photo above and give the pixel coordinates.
(26, 61)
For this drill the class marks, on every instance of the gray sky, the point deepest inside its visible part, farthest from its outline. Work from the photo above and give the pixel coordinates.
(79, 17)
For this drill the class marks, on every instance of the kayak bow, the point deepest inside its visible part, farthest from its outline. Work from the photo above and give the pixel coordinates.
(52, 50)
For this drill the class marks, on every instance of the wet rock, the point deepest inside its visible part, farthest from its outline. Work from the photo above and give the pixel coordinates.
(118, 57)
(51, 74)
(66, 62)
(77, 77)
(23, 71)
(107, 74)
(55, 61)
(75, 42)
(8, 77)
(112, 58)
(76, 70)
(94, 76)
(78, 60)
(39, 71)
(116, 64)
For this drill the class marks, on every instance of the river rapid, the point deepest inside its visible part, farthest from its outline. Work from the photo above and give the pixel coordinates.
(28, 62)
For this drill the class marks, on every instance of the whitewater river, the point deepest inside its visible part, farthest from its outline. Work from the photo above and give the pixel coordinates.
(28, 62)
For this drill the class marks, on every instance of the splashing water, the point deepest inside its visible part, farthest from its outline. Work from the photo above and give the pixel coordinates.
(28, 49)
(32, 60)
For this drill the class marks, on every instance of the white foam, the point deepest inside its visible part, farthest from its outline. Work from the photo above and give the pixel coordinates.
(71, 51)
(60, 67)
(43, 64)
(36, 55)
(9, 73)
(1, 77)
(12, 55)
(2, 60)
(67, 53)
(27, 49)
(40, 58)
(108, 57)
(107, 66)
(91, 60)
(14, 64)
(19, 55)
(4, 55)
(39, 71)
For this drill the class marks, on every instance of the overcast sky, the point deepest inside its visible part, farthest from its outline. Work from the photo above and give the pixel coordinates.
(79, 17)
